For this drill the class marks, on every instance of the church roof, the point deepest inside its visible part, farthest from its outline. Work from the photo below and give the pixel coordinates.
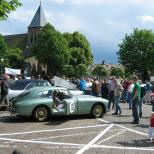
(39, 19)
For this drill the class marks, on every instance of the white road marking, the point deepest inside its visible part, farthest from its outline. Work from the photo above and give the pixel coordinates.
(41, 142)
(86, 147)
(62, 147)
(52, 130)
(129, 129)
(61, 136)
(111, 137)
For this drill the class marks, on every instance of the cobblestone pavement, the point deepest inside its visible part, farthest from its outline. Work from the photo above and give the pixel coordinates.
(77, 134)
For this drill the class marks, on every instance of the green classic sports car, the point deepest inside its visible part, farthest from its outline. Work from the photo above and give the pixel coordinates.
(38, 102)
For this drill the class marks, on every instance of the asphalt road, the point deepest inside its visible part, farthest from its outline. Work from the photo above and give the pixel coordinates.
(77, 134)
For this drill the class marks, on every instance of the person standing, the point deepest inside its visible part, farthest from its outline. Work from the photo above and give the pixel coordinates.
(88, 88)
(136, 99)
(95, 87)
(104, 89)
(141, 98)
(111, 92)
(129, 98)
(151, 128)
(147, 92)
(4, 90)
(82, 85)
(117, 95)
(125, 92)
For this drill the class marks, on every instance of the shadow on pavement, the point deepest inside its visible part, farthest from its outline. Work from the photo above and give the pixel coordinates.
(61, 119)
(141, 125)
(54, 120)
(137, 143)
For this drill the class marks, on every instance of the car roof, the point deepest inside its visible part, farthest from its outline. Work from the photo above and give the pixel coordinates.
(30, 80)
(41, 88)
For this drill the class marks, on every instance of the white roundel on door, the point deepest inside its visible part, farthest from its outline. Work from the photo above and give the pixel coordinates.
(72, 107)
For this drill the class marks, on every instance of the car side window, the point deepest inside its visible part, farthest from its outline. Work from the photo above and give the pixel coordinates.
(45, 94)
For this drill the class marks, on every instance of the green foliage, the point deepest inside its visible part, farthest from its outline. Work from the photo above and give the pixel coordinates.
(79, 48)
(52, 50)
(68, 70)
(80, 70)
(99, 71)
(3, 52)
(16, 58)
(12, 57)
(6, 6)
(136, 52)
(118, 72)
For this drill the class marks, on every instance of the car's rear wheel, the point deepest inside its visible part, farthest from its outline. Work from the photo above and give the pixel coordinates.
(41, 114)
(97, 111)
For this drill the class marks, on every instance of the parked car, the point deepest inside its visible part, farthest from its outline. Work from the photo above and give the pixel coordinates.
(38, 103)
(18, 86)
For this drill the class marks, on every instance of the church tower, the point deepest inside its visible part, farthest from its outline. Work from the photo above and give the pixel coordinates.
(38, 21)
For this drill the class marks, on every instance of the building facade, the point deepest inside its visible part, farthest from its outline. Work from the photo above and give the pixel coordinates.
(26, 40)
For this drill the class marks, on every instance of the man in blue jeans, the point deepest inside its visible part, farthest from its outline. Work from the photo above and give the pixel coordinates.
(117, 94)
(136, 99)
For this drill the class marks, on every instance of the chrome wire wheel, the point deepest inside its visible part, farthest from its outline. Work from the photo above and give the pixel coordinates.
(41, 114)
(97, 111)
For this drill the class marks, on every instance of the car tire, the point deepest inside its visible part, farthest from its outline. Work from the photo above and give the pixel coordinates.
(97, 111)
(41, 114)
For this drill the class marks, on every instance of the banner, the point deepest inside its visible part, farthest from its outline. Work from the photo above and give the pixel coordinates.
(12, 71)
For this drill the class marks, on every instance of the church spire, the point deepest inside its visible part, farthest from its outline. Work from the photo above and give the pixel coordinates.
(39, 19)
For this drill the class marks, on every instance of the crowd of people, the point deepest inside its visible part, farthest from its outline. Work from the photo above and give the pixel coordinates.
(133, 91)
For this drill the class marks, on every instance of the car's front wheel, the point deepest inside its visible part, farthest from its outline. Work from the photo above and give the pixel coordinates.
(41, 114)
(97, 111)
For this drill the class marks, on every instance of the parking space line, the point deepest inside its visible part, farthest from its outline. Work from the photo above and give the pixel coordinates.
(61, 136)
(53, 130)
(41, 142)
(86, 147)
(129, 129)
(111, 137)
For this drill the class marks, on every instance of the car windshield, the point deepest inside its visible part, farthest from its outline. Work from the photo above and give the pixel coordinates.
(18, 85)
(27, 84)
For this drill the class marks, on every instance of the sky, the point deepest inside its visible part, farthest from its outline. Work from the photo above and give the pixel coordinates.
(104, 22)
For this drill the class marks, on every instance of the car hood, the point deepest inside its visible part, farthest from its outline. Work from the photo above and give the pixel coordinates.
(14, 93)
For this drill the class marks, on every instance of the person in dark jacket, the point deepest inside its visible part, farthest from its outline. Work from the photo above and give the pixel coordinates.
(4, 90)
(104, 89)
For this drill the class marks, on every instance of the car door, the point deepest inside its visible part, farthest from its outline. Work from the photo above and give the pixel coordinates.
(70, 102)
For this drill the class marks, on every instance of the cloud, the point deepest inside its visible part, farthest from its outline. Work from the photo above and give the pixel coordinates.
(58, 1)
(65, 22)
(146, 19)
(21, 16)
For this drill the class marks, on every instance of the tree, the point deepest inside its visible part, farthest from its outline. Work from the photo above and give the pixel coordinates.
(3, 47)
(79, 49)
(52, 50)
(68, 70)
(118, 72)
(3, 52)
(80, 70)
(15, 58)
(99, 71)
(136, 52)
(6, 6)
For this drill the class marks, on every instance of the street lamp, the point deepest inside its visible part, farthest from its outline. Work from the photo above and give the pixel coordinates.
(26, 57)
(2, 60)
